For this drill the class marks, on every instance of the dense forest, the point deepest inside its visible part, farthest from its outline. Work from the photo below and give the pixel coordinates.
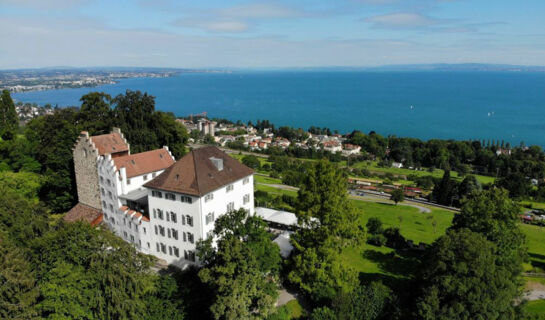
(53, 270)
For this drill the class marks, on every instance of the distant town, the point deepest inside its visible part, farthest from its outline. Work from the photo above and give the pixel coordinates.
(23, 80)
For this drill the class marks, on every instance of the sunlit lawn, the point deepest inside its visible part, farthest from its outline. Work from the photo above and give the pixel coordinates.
(536, 307)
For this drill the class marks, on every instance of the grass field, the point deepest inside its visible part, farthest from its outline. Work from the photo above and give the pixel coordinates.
(536, 307)
(265, 179)
(437, 173)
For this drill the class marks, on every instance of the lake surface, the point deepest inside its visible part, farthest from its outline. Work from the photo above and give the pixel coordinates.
(448, 105)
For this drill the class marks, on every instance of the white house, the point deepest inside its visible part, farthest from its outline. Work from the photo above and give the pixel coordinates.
(332, 146)
(186, 199)
(350, 149)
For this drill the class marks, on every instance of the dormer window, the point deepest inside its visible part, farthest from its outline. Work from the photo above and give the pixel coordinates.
(217, 162)
(230, 188)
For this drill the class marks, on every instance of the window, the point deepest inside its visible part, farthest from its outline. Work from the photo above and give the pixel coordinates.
(183, 220)
(170, 250)
(246, 180)
(210, 234)
(158, 249)
(190, 237)
(157, 194)
(230, 206)
(128, 181)
(111, 208)
(184, 236)
(168, 216)
(125, 234)
(148, 245)
(132, 238)
(112, 220)
(230, 188)
(139, 243)
(189, 255)
(170, 196)
(153, 175)
(145, 177)
(109, 194)
(173, 217)
(189, 220)
(160, 214)
(144, 230)
(208, 197)
(101, 179)
(136, 227)
(175, 234)
(176, 252)
(210, 217)
(106, 216)
(163, 248)
(168, 233)
(104, 204)
(186, 199)
(130, 224)
(246, 198)
(108, 182)
(156, 230)
(162, 230)
(103, 192)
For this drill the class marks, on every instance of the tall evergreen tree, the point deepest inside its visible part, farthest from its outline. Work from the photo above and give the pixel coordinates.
(9, 121)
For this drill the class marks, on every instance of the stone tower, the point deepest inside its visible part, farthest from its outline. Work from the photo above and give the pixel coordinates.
(86, 152)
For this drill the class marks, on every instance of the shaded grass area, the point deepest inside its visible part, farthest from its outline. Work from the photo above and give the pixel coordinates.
(536, 246)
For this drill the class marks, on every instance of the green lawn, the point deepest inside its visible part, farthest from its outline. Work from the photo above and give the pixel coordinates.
(265, 179)
(273, 190)
(536, 246)
(414, 225)
(536, 307)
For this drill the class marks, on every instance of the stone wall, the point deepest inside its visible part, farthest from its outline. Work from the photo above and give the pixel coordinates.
(85, 166)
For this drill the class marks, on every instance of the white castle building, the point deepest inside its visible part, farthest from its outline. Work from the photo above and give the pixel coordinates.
(161, 206)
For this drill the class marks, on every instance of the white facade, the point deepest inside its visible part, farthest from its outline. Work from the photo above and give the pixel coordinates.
(175, 239)
(129, 224)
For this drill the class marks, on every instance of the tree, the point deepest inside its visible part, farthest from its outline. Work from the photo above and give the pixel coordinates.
(323, 313)
(95, 114)
(323, 206)
(9, 121)
(328, 223)
(374, 226)
(516, 184)
(53, 137)
(397, 196)
(18, 289)
(461, 280)
(493, 215)
(238, 269)
(91, 271)
(444, 191)
(368, 302)
(209, 139)
(251, 161)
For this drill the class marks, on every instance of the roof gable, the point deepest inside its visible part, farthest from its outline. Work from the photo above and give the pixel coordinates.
(144, 162)
(110, 143)
(196, 174)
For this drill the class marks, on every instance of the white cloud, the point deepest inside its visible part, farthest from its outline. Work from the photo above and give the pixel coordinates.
(238, 18)
(402, 20)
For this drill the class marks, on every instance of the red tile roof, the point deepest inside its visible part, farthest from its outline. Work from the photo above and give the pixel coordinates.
(133, 213)
(83, 212)
(195, 174)
(144, 162)
(110, 143)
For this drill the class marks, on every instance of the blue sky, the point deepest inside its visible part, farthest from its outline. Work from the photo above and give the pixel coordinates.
(263, 34)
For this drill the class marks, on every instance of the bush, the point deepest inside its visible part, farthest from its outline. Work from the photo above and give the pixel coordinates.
(374, 226)
(394, 239)
(377, 240)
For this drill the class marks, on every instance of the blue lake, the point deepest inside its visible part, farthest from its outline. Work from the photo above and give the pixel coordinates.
(448, 105)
